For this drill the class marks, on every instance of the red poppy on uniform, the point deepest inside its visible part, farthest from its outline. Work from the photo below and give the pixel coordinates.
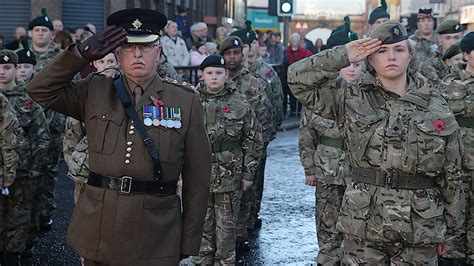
(250, 92)
(269, 74)
(439, 125)
(27, 105)
(226, 109)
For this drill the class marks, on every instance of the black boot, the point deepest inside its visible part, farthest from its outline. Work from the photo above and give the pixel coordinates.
(12, 259)
(451, 262)
(26, 257)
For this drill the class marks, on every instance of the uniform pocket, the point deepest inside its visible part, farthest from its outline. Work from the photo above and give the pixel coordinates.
(354, 212)
(328, 161)
(427, 218)
(160, 230)
(84, 228)
(103, 132)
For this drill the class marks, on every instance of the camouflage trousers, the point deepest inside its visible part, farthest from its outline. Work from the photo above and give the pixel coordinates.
(357, 251)
(219, 236)
(256, 197)
(470, 219)
(328, 203)
(243, 215)
(47, 185)
(15, 211)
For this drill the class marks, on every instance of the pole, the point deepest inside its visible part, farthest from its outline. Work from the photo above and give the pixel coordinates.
(286, 21)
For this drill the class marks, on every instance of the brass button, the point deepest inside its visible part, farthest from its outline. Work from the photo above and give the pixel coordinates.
(128, 155)
(103, 117)
(131, 132)
(132, 127)
(129, 143)
(129, 149)
(127, 161)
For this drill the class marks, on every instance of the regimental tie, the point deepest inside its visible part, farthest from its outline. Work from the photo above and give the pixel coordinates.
(138, 92)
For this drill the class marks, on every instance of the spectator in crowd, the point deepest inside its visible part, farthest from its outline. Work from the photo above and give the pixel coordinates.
(275, 49)
(195, 35)
(63, 38)
(91, 28)
(77, 35)
(182, 22)
(262, 37)
(58, 25)
(228, 28)
(212, 48)
(173, 46)
(309, 44)
(198, 55)
(15, 44)
(264, 53)
(294, 52)
(318, 45)
(221, 34)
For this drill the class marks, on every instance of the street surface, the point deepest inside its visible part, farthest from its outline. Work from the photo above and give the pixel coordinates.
(287, 236)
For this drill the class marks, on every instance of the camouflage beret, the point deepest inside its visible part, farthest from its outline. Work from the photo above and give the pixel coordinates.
(379, 12)
(213, 61)
(247, 35)
(8, 57)
(390, 32)
(452, 51)
(449, 26)
(229, 43)
(467, 43)
(424, 13)
(42, 20)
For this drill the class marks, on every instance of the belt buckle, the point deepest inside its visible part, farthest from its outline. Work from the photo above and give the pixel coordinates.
(126, 184)
(392, 180)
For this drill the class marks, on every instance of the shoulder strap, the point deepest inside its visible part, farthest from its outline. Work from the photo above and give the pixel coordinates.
(130, 110)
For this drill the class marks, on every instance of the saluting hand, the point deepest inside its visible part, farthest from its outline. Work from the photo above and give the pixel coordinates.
(102, 43)
(358, 50)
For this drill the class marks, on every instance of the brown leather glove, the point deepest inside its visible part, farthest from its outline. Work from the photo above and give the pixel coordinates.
(102, 43)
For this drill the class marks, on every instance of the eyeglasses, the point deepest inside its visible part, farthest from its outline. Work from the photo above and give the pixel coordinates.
(146, 48)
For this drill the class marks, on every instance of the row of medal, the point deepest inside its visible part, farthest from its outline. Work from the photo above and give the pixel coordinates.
(169, 117)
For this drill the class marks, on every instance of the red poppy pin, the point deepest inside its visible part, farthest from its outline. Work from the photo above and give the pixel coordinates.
(226, 109)
(269, 74)
(27, 105)
(439, 125)
(250, 92)
(156, 101)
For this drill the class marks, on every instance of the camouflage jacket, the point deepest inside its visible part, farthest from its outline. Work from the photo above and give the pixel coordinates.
(435, 68)
(329, 164)
(166, 70)
(254, 89)
(273, 87)
(416, 134)
(43, 58)
(424, 48)
(231, 122)
(11, 137)
(35, 129)
(75, 150)
(458, 89)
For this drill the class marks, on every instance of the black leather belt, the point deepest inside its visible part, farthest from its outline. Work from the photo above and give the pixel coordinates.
(392, 180)
(126, 184)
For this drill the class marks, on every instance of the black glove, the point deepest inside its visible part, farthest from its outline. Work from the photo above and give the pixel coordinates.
(102, 43)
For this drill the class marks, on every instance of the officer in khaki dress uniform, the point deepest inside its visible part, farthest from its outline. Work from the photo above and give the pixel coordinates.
(435, 69)
(128, 213)
(405, 204)
(458, 89)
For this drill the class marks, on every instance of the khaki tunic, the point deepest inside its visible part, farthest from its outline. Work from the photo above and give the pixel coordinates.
(132, 229)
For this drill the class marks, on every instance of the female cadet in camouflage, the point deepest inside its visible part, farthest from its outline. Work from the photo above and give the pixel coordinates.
(327, 164)
(405, 203)
(11, 204)
(236, 141)
(458, 89)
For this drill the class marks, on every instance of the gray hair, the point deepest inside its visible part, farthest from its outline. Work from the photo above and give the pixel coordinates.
(198, 26)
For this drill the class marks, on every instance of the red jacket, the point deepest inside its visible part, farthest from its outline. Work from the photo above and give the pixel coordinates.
(297, 55)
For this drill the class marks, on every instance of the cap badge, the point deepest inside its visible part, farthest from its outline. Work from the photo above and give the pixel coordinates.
(28, 54)
(137, 23)
(46, 19)
(236, 42)
(6, 58)
(222, 61)
(248, 34)
(456, 27)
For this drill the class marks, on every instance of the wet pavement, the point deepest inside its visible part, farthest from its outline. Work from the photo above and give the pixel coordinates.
(287, 235)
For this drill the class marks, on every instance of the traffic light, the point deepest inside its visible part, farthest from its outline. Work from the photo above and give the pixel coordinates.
(286, 8)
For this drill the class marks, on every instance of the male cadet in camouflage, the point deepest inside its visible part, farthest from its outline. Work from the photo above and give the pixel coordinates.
(453, 56)
(405, 203)
(75, 144)
(424, 39)
(268, 75)
(45, 51)
(33, 149)
(11, 195)
(378, 16)
(458, 89)
(236, 141)
(128, 213)
(247, 84)
(449, 32)
(326, 163)
(25, 69)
